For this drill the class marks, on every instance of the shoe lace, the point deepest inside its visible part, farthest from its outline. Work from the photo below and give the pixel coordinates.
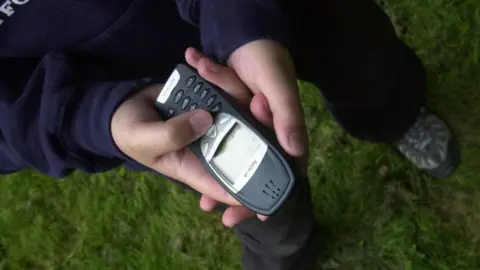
(419, 137)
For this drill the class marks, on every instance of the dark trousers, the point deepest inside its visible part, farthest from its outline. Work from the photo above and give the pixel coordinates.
(373, 85)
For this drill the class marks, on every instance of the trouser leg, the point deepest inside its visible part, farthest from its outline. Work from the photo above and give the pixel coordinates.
(371, 82)
(288, 240)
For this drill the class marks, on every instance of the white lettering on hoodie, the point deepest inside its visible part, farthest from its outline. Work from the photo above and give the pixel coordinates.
(7, 9)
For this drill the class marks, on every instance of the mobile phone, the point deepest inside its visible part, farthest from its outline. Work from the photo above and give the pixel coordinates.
(240, 153)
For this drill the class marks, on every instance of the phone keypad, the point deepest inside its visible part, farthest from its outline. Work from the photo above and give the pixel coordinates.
(223, 118)
(185, 102)
(193, 106)
(217, 107)
(204, 94)
(212, 132)
(190, 81)
(210, 100)
(193, 96)
(178, 96)
(197, 87)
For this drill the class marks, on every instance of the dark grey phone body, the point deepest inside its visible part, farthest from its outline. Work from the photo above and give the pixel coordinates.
(239, 152)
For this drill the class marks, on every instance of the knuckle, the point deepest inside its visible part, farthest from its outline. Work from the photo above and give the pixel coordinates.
(134, 147)
(130, 141)
(170, 136)
(176, 136)
(203, 67)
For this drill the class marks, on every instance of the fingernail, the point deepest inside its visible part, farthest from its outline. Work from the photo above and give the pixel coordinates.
(200, 122)
(212, 66)
(262, 218)
(297, 143)
(195, 54)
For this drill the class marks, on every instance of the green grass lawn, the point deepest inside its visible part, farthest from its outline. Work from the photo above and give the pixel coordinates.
(377, 211)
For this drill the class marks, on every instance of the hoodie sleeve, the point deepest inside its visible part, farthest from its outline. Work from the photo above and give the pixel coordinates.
(226, 25)
(55, 117)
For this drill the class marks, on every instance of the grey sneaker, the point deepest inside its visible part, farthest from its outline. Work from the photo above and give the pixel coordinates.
(430, 146)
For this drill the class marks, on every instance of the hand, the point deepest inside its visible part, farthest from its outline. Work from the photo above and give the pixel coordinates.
(139, 132)
(266, 67)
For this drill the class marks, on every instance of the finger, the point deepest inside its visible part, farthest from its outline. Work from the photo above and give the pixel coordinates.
(291, 133)
(288, 118)
(273, 74)
(262, 217)
(223, 77)
(261, 110)
(235, 214)
(207, 204)
(192, 56)
(154, 139)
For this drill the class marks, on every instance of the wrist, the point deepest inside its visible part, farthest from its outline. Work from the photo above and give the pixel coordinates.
(86, 126)
(265, 49)
(262, 61)
(132, 110)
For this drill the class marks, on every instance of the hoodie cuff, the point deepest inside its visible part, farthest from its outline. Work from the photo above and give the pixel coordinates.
(227, 25)
(88, 134)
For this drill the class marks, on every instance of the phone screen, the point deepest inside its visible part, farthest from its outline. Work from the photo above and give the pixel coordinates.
(236, 152)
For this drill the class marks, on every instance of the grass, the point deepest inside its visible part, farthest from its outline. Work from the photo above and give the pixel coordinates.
(377, 211)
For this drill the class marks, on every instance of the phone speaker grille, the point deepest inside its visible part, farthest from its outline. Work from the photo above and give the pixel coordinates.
(271, 190)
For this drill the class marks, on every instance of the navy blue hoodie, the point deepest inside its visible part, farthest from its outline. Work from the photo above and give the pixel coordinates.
(66, 65)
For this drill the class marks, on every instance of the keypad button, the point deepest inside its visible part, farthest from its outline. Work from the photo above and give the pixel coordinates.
(217, 107)
(212, 132)
(170, 112)
(204, 93)
(222, 118)
(204, 148)
(190, 81)
(178, 96)
(185, 102)
(197, 87)
(193, 106)
(210, 100)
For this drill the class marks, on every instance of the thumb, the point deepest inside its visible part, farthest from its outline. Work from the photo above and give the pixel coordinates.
(267, 67)
(261, 110)
(158, 138)
(281, 102)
